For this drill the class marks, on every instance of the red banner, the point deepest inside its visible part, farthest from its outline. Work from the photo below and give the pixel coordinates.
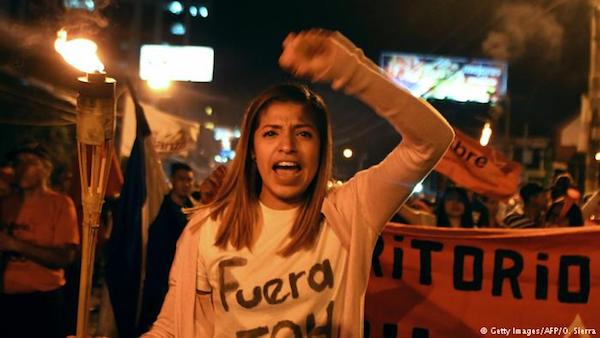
(480, 169)
(444, 282)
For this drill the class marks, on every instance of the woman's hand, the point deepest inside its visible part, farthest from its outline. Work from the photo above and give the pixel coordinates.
(320, 55)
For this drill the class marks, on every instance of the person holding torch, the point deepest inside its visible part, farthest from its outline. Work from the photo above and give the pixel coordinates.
(278, 253)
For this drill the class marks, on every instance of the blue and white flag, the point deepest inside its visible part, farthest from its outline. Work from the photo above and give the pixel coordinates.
(143, 191)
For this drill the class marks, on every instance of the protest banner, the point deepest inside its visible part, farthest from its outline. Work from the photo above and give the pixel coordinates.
(445, 282)
(481, 169)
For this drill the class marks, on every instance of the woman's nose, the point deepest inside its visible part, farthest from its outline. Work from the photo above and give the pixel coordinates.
(288, 143)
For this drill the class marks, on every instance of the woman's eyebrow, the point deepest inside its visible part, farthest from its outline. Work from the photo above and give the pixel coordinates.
(295, 126)
(275, 126)
(304, 125)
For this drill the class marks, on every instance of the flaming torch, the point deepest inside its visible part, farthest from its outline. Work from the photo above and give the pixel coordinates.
(95, 131)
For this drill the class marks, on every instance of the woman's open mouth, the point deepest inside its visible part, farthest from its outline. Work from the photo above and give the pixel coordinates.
(287, 168)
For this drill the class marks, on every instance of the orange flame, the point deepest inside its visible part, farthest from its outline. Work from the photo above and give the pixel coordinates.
(80, 53)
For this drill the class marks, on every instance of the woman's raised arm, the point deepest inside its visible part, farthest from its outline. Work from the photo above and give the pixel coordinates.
(378, 191)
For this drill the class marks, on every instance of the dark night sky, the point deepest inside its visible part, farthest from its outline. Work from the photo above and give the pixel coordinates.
(544, 89)
(547, 70)
(547, 43)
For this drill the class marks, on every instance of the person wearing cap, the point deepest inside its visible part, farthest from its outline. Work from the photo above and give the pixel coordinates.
(535, 202)
(40, 237)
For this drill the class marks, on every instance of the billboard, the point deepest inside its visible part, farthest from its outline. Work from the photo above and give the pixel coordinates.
(177, 63)
(447, 78)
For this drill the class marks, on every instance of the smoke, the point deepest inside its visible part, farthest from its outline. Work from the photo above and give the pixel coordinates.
(34, 36)
(84, 22)
(22, 37)
(524, 29)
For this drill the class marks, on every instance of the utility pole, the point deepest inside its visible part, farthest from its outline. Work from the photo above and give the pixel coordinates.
(591, 177)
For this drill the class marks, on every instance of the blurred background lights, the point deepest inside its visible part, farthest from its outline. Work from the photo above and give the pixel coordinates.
(193, 11)
(418, 188)
(486, 133)
(178, 29)
(203, 10)
(175, 7)
(159, 84)
(87, 5)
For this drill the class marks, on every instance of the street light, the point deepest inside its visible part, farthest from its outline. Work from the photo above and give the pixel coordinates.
(486, 133)
(418, 188)
(158, 84)
(347, 153)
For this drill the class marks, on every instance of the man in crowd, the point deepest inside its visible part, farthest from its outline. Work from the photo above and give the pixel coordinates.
(39, 238)
(535, 201)
(162, 239)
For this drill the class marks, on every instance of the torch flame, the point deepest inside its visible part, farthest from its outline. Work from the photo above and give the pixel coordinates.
(80, 53)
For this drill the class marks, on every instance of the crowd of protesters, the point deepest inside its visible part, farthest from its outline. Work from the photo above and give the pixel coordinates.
(33, 271)
(40, 237)
(534, 206)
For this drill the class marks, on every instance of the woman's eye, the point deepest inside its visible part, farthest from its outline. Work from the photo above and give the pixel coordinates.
(269, 133)
(305, 133)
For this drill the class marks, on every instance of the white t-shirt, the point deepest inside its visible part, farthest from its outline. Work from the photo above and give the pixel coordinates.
(262, 293)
